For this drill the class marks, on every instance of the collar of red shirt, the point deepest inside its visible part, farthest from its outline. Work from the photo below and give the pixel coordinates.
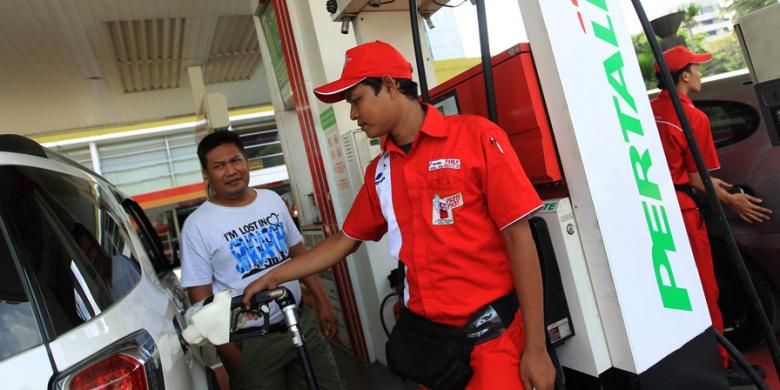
(684, 99)
(433, 125)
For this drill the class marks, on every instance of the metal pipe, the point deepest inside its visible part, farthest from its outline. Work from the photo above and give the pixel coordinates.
(717, 208)
(487, 64)
(418, 56)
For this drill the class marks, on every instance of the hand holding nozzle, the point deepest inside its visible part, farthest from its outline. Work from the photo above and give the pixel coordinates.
(219, 318)
(258, 307)
(262, 287)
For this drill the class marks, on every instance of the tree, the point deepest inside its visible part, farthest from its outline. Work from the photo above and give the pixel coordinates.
(743, 7)
(644, 54)
(691, 11)
(645, 57)
(726, 56)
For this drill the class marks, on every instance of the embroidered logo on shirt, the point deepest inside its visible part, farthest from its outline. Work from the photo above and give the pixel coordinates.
(444, 163)
(443, 208)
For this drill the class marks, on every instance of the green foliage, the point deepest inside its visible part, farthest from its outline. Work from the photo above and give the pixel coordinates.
(742, 7)
(645, 56)
(691, 11)
(726, 55)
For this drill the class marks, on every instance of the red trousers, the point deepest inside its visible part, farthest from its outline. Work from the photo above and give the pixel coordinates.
(496, 363)
(702, 254)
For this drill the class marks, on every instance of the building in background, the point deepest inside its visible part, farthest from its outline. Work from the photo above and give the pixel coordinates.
(714, 20)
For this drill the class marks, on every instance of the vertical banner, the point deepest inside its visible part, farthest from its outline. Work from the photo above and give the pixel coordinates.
(639, 259)
(274, 42)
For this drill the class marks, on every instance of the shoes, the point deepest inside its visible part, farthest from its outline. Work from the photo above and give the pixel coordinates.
(737, 377)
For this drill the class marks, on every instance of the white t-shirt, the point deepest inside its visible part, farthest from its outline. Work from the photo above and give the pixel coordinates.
(229, 247)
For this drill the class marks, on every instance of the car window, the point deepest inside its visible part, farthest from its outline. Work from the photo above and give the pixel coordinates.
(149, 238)
(18, 328)
(69, 236)
(731, 121)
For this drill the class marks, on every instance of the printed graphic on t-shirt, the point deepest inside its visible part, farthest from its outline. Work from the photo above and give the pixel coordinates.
(258, 245)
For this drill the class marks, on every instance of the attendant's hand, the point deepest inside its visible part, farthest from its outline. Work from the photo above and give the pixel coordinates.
(265, 282)
(536, 370)
(744, 205)
(326, 319)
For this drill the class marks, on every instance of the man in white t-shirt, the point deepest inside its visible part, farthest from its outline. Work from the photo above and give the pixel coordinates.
(232, 239)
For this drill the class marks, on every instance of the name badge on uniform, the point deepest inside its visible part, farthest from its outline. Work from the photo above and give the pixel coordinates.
(444, 163)
(443, 208)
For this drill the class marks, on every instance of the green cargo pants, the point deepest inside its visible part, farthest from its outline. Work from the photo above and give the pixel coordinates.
(271, 362)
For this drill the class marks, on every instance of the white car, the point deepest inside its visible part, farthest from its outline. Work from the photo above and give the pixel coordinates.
(86, 295)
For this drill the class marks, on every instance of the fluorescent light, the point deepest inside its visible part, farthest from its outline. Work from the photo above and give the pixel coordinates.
(150, 130)
(131, 133)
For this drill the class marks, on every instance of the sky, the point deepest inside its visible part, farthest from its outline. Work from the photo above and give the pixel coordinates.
(505, 25)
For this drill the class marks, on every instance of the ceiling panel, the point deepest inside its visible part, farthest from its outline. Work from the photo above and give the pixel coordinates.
(61, 66)
(235, 52)
(148, 52)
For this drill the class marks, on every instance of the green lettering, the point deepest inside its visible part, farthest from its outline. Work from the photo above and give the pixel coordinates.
(644, 185)
(672, 297)
(612, 65)
(628, 123)
(599, 3)
(606, 34)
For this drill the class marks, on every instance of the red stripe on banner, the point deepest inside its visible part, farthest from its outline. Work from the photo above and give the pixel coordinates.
(321, 188)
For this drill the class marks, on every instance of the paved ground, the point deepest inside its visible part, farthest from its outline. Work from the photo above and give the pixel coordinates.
(760, 355)
(358, 375)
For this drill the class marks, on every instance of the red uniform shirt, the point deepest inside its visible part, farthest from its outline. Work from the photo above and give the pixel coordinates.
(678, 154)
(443, 206)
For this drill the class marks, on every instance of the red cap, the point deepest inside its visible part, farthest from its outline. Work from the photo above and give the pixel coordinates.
(679, 57)
(373, 59)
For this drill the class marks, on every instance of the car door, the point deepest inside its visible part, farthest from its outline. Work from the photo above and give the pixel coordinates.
(100, 295)
(168, 280)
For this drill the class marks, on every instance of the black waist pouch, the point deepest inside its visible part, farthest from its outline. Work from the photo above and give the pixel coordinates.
(431, 354)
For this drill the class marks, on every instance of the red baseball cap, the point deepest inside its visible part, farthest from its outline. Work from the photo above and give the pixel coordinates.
(679, 57)
(373, 59)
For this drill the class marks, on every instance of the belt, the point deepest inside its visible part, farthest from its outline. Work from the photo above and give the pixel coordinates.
(492, 320)
(685, 188)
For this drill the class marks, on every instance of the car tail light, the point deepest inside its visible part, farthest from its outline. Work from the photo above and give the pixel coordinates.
(117, 372)
(130, 363)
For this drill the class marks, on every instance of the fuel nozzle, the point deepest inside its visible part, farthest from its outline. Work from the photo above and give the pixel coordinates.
(259, 307)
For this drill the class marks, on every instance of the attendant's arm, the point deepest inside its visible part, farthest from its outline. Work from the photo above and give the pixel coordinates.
(537, 370)
(323, 256)
(326, 316)
(230, 353)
